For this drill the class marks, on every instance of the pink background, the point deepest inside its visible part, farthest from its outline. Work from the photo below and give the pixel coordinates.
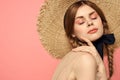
(22, 56)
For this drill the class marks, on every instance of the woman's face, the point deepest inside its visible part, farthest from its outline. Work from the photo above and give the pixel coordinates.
(87, 24)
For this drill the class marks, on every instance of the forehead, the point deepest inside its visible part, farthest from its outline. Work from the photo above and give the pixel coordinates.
(84, 10)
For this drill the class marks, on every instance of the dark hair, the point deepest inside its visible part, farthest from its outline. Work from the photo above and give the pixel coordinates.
(69, 19)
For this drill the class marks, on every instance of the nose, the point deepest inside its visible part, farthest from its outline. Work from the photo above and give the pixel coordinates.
(89, 23)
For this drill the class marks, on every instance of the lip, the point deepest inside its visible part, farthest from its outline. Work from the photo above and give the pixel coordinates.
(92, 31)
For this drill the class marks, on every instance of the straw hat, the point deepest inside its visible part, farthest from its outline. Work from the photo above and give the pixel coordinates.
(51, 29)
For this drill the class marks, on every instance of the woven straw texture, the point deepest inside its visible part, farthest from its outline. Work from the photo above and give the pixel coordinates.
(50, 24)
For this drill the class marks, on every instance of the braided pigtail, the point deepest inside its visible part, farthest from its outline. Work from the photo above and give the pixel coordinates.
(110, 60)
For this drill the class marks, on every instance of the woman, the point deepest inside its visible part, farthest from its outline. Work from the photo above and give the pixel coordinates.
(86, 28)
(86, 47)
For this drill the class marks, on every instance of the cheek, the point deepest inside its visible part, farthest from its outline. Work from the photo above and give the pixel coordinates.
(99, 22)
(77, 30)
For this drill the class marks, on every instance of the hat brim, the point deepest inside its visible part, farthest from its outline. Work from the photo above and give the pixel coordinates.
(50, 24)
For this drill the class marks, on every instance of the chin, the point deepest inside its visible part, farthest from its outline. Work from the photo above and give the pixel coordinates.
(94, 38)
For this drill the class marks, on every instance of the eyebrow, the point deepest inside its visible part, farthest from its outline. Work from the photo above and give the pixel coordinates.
(82, 16)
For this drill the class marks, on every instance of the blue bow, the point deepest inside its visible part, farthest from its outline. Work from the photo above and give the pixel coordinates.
(105, 39)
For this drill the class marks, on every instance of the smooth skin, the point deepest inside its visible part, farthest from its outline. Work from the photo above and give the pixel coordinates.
(92, 50)
(84, 62)
(81, 64)
(76, 66)
(85, 16)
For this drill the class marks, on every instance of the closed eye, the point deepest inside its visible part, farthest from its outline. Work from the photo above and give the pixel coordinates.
(80, 21)
(94, 16)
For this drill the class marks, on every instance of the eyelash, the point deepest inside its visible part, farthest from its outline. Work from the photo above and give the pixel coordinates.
(94, 18)
(81, 23)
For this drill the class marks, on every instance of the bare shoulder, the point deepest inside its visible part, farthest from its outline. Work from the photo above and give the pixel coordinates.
(79, 57)
(85, 67)
(85, 60)
(75, 62)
